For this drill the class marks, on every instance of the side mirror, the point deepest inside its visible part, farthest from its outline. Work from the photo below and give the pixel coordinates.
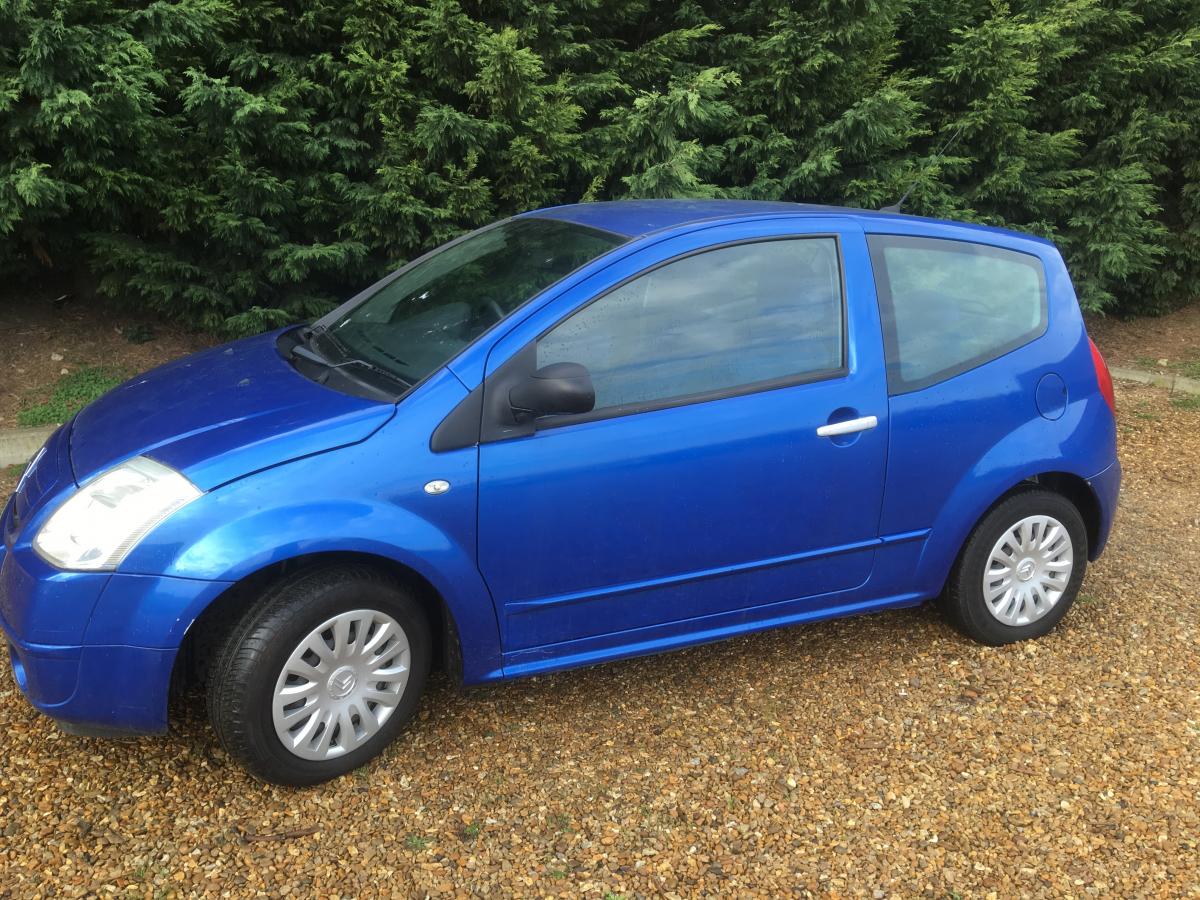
(557, 389)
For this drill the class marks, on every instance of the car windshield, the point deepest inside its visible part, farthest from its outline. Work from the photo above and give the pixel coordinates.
(420, 320)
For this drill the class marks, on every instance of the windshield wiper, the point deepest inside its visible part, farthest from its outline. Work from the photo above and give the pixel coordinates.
(305, 352)
(311, 332)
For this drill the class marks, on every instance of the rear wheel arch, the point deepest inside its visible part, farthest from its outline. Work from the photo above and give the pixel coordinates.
(206, 632)
(1081, 494)
(1068, 485)
(1024, 611)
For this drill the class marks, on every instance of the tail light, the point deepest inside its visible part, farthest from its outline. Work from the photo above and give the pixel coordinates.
(1103, 377)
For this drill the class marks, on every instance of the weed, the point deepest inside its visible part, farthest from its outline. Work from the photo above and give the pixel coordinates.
(416, 842)
(470, 832)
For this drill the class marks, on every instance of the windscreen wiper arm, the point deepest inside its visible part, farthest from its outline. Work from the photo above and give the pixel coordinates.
(309, 355)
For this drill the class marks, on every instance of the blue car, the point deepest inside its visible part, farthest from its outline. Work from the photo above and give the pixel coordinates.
(581, 434)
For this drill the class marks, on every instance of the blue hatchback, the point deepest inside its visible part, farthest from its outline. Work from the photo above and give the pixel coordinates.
(580, 434)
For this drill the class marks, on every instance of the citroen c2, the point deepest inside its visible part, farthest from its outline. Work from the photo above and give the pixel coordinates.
(576, 435)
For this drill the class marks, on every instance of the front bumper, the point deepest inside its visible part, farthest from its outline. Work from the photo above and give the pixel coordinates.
(116, 689)
(96, 651)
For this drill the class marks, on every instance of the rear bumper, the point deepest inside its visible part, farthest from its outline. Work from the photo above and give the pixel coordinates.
(1107, 488)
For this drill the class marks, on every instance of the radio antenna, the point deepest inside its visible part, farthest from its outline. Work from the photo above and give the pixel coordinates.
(898, 206)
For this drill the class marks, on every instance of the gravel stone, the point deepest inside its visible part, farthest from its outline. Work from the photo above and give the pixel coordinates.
(883, 756)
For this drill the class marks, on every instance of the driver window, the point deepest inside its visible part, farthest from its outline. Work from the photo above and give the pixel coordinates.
(712, 322)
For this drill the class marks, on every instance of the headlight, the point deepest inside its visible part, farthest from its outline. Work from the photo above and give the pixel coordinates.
(98, 526)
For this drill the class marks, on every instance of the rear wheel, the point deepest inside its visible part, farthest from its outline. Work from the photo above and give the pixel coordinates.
(1020, 570)
(320, 675)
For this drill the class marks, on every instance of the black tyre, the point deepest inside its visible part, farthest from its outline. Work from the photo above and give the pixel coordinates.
(321, 674)
(1020, 570)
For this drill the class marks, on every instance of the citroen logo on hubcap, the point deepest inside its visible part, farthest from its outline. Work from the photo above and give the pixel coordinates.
(342, 682)
(1025, 569)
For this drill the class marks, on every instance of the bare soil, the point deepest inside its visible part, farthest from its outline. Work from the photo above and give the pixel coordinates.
(41, 340)
(1170, 341)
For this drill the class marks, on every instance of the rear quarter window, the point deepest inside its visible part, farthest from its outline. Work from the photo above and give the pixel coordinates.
(948, 306)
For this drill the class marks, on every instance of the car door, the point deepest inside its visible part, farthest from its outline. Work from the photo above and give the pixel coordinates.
(734, 459)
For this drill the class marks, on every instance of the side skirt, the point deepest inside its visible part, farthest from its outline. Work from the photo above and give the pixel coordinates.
(688, 633)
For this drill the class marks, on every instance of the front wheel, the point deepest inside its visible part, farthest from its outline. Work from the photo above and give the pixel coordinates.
(321, 675)
(1020, 569)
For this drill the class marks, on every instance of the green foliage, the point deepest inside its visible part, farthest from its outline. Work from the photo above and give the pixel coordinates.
(416, 842)
(72, 393)
(242, 165)
(138, 333)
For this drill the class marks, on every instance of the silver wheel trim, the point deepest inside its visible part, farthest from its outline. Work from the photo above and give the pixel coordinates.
(1028, 570)
(340, 684)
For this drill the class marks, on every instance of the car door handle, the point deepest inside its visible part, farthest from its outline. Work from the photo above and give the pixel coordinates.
(848, 427)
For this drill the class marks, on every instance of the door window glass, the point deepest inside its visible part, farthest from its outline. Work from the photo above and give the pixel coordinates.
(717, 321)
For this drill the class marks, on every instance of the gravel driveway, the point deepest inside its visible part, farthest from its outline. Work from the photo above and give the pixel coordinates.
(881, 756)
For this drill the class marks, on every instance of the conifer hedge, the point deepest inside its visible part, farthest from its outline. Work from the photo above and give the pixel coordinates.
(238, 163)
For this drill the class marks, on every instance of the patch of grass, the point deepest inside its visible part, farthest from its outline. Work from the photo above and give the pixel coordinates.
(72, 393)
(416, 842)
(1189, 368)
(1186, 401)
(470, 832)
(1145, 412)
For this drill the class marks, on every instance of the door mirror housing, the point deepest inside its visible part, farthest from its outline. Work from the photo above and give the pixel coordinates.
(563, 388)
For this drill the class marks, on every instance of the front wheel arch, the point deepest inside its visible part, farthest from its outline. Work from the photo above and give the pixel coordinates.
(209, 629)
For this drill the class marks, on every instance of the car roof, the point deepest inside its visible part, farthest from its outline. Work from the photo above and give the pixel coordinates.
(636, 218)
